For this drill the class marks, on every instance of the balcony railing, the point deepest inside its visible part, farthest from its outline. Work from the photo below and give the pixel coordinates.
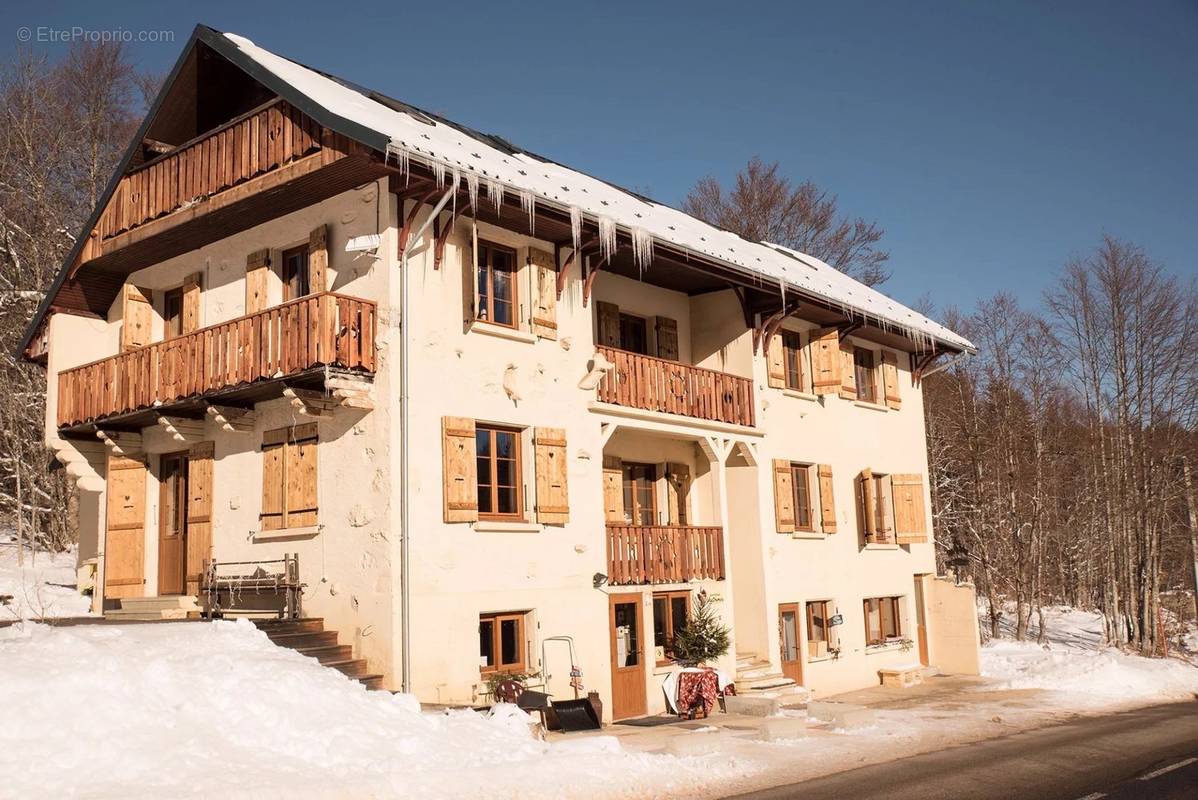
(643, 554)
(318, 330)
(655, 384)
(255, 143)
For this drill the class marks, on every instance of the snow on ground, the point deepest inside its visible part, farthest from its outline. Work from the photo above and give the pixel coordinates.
(215, 710)
(43, 587)
(1080, 671)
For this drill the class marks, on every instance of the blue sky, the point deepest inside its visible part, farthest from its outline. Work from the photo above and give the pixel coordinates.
(992, 141)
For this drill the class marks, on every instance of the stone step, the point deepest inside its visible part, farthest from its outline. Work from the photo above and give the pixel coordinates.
(768, 682)
(353, 668)
(372, 682)
(327, 654)
(173, 601)
(758, 670)
(746, 659)
(308, 639)
(303, 625)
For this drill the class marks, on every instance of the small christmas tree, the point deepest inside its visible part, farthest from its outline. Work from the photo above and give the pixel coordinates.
(702, 638)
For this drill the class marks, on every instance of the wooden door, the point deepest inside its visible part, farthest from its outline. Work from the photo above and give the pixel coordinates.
(627, 656)
(200, 461)
(172, 523)
(921, 622)
(788, 641)
(125, 529)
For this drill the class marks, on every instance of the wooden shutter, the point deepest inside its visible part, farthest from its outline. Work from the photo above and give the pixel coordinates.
(678, 479)
(609, 323)
(890, 379)
(910, 519)
(667, 338)
(191, 302)
(470, 282)
(827, 501)
(544, 312)
(848, 372)
(274, 451)
(460, 469)
(776, 363)
(553, 498)
(784, 496)
(318, 260)
(866, 504)
(125, 529)
(199, 512)
(257, 268)
(613, 489)
(136, 316)
(825, 361)
(301, 486)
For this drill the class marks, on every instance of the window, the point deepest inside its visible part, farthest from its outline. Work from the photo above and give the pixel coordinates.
(800, 479)
(172, 313)
(497, 284)
(289, 478)
(792, 359)
(295, 273)
(882, 620)
(500, 488)
(501, 642)
(863, 364)
(670, 612)
(818, 630)
(640, 493)
(634, 334)
(875, 507)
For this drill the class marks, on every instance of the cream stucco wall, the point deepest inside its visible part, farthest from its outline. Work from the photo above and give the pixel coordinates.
(462, 570)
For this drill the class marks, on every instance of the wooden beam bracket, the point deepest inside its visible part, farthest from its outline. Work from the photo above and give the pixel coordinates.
(443, 236)
(121, 443)
(232, 418)
(406, 230)
(317, 405)
(563, 267)
(350, 393)
(182, 429)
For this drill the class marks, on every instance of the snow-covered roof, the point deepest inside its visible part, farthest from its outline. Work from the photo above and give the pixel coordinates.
(455, 155)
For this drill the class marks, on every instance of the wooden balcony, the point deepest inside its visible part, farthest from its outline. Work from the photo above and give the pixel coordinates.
(655, 384)
(646, 554)
(266, 163)
(321, 330)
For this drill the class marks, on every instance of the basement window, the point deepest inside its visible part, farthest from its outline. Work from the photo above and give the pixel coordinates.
(501, 642)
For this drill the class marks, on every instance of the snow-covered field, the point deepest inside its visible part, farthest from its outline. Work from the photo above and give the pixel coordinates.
(1077, 671)
(44, 587)
(216, 710)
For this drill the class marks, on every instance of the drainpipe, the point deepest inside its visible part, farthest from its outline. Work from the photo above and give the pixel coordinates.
(405, 505)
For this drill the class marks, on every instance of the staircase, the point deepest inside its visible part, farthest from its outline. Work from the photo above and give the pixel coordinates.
(756, 676)
(150, 608)
(308, 637)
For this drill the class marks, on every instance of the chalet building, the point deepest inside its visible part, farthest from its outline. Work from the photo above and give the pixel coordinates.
(494, 415)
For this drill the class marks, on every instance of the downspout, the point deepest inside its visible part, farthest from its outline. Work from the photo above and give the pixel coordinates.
(405, 627)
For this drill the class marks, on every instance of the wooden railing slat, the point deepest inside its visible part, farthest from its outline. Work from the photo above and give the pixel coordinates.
(652, 554)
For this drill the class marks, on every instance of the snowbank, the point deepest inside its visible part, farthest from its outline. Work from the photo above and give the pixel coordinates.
(215, 709)
(1080, 670)
(43, 587)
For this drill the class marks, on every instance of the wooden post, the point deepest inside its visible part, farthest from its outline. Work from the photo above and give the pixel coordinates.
(1192, 507)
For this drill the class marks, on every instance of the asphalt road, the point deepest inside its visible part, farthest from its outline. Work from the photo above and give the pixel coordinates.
(1147, 753)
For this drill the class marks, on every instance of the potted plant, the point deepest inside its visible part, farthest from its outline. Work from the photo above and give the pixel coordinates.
(702, 638)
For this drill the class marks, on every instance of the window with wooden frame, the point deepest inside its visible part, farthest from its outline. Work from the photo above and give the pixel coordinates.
(792, 358)
(634, 334)
(501, 642)
(819, 631)
(670, 612)
(801, 482)
(864, 366)
(295, 273)
(875, 507)
(289, 489)
(500, 482)
(882, 620)
(172, 313)
(496, 270)
(640, 493)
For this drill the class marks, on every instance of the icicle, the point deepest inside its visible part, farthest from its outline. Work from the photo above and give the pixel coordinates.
(472, 189)
(495, 192)
(642, 248)
(528, 202)
(607, 235)
(438, 173)
(401, 160)
(576, 228)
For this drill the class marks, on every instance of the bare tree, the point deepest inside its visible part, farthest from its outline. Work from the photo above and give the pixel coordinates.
(763, 205)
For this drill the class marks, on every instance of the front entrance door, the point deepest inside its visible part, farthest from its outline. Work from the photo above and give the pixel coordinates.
(627, 656)
(172, 524)
(788, 639)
